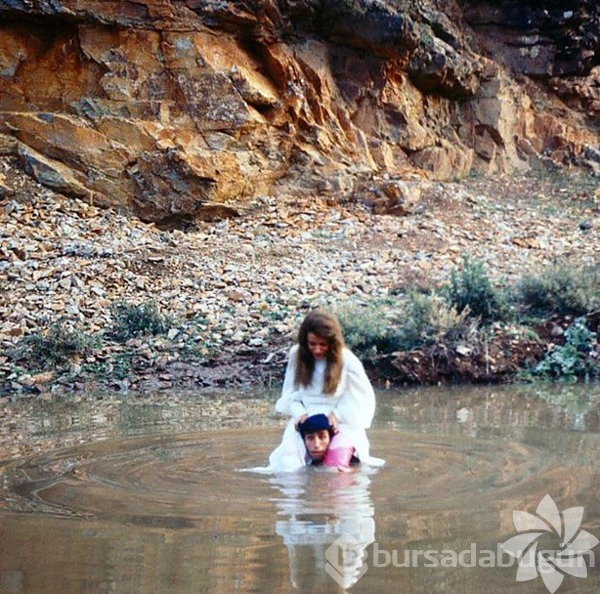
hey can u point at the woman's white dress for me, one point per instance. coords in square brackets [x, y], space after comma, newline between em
[353, 403]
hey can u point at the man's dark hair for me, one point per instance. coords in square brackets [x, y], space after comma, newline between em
[314, 424]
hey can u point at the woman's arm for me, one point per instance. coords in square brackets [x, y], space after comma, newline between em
[290, 402]
[356, 406]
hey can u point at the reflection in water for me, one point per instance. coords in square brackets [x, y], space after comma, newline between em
[30, 426]
[315, 508]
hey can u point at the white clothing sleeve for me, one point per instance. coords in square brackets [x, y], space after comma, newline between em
[356, 406]
[290, 402]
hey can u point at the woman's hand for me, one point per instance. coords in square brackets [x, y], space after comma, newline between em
[333, 422]
[299, 420]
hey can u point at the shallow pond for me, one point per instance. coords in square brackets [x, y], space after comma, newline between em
[147, 495]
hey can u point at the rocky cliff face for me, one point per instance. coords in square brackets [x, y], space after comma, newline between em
[174, 110]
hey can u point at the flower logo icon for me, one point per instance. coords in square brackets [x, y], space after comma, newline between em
[549, 525]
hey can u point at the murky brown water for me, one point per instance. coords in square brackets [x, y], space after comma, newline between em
[135, 495]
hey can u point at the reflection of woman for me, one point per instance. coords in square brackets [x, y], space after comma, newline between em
[314, 512]
[323, 376]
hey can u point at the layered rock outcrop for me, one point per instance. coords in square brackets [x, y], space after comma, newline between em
[175, 110]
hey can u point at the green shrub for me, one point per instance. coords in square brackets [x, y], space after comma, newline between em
[131, 320]
[418, 319]
[59, 344]
[427, 319]
[561, 288]
[366, 328]
[574, 359]
[471, 291]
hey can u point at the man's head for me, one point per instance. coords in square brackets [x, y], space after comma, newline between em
[316, 433]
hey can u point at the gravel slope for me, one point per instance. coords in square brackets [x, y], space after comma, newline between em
[239, 286]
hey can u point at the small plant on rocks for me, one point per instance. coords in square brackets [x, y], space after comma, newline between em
[367, 329]
[130, 321]
[562, 288]
[417, 320]
[470, 290]
[427, 319]
[58, 345]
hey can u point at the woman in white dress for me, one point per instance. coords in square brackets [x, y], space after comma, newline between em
[323, 377]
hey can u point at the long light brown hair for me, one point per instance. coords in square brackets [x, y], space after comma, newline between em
[325, 325]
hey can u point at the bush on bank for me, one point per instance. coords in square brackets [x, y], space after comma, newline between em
[561, 289]
[467, 317]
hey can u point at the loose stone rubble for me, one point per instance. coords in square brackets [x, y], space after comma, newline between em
[236, 288]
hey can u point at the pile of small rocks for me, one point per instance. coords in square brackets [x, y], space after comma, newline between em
[238, 287]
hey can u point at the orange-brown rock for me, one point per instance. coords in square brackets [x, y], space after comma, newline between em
[167, 109]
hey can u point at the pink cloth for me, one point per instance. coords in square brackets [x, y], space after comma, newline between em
[340, 451]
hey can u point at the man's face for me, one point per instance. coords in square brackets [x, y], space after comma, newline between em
[317, 444]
